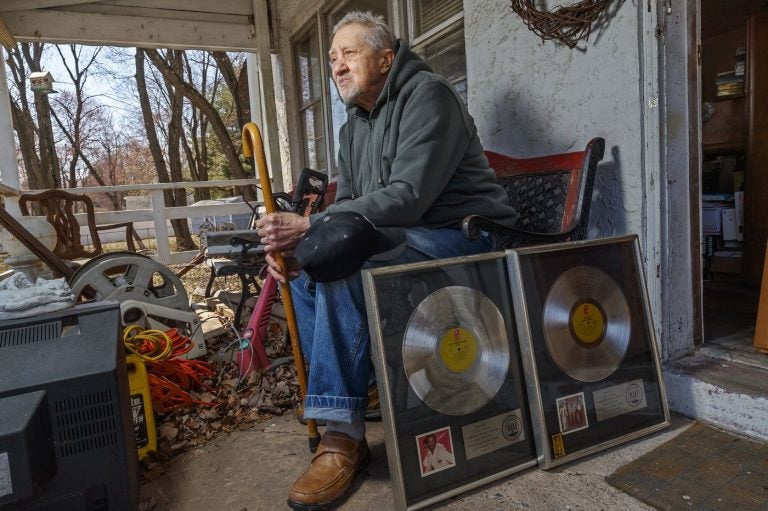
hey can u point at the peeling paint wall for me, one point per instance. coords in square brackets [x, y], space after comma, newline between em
[531, 98]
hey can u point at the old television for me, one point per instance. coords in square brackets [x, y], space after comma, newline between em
[66, 430]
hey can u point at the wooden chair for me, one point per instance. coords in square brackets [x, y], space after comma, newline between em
[552, 194]
[58, 206]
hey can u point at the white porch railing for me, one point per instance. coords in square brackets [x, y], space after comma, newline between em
[160, 214]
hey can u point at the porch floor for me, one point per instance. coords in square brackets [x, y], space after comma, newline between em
[251, 470]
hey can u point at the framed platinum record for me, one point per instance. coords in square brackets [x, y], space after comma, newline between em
[450, 378]
[588, 346]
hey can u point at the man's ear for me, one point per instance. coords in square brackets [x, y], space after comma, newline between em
[385, 62]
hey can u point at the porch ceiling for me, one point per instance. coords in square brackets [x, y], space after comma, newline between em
[217, 25]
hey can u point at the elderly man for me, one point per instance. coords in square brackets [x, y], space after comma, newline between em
[409, 157]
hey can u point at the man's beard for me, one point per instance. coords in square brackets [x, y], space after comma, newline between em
[351, 94]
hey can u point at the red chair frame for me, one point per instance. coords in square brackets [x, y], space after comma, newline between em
[552, 194]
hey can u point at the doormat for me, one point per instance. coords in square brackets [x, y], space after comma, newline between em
[702, 469]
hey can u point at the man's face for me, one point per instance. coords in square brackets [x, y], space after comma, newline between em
[431, 443]
[358, 71]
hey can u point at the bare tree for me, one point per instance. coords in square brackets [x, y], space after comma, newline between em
[33, 128]
[233, 81]
[223, 136]
[180, 227]
[195, 144]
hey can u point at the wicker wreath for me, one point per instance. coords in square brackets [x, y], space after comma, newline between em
[567, 24]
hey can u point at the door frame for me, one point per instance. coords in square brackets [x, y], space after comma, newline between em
[680, 86]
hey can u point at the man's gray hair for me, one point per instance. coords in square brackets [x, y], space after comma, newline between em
[378, 35]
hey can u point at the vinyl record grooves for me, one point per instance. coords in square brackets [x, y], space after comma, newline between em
[586, 323]
[455, 350]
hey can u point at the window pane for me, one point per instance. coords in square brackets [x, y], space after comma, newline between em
[447, 56]
[308, 64]
[308, 67]
[314, 136]
[427, 14]
[338, 109]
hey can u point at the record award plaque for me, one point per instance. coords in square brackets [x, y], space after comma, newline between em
[444, 343]
[588, 346]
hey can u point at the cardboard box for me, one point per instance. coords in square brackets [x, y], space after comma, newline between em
[726, 264]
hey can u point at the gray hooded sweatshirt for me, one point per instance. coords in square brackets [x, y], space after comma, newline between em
[416, 159]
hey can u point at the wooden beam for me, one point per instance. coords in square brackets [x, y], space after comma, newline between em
[239, 7]
[236, 7]
[28, 5]
[263, 40]
[146, 12]
[100, 29]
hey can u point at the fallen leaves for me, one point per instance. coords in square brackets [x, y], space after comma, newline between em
[241, 403]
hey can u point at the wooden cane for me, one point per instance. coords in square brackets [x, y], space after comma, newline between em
[254, 147]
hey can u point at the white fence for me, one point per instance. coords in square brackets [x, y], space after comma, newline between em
[155, 222]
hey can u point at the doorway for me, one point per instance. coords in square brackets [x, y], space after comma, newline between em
[734, 188]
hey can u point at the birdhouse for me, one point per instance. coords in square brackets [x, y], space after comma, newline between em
[41, 82]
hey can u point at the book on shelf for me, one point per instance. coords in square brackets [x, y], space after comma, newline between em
[717, 197]
[729, 84]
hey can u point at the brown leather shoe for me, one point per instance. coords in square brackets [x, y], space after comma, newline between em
[339, 458]
[373, 411]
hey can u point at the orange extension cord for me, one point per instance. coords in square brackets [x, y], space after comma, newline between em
[170, 378]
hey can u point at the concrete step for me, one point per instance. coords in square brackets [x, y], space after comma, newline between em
[718, 386]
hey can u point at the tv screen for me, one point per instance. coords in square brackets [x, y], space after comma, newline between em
[66, 431]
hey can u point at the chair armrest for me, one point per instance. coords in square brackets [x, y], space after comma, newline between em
[130, 234]
[506, 237]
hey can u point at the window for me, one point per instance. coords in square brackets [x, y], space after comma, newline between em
[308, 62]
[437, 35]
[428, 14]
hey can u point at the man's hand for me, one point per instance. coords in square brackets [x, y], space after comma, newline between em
[282, 232]
[274, 269]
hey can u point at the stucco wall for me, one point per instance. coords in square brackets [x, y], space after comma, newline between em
[530, 98]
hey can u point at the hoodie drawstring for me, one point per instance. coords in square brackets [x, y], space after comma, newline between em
[384, 133]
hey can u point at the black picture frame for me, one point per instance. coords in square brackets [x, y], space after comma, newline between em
[579, 403]
[487, 443]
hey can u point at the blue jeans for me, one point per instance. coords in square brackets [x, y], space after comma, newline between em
[333, 326]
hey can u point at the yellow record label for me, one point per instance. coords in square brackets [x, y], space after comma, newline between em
[458, 349]
[587, 322]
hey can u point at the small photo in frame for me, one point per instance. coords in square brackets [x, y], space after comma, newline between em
[572, 413]
[435, 451]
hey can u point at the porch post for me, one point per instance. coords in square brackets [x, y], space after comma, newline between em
[266, 92]
[652, 204]
[9, 172]
[681, 266]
